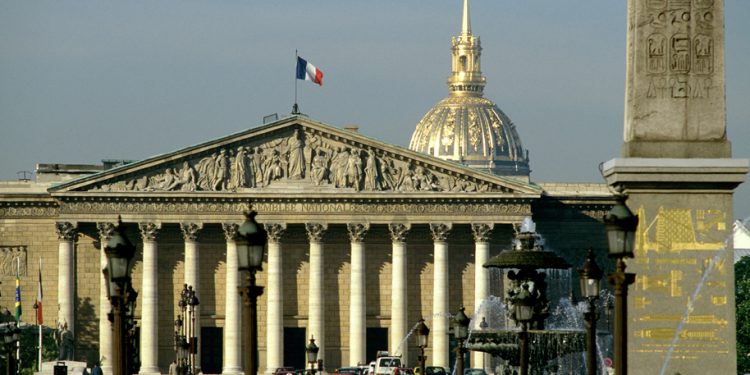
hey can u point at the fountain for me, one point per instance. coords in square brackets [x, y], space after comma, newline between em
[515, 329]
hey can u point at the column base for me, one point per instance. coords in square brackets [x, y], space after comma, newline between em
[232, 371]
[149, 371]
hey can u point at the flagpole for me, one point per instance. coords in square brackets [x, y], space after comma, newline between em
[295, 107]
[39, 360]
[18, 316]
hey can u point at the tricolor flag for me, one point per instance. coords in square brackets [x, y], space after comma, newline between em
[39, 296]
[308, 72]
[18, 290]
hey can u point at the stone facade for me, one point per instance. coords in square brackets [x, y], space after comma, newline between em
[568, 215]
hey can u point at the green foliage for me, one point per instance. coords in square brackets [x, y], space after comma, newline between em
[742, 295]
[29, 348]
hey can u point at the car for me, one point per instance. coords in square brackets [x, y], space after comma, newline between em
[474, 371]
[435, 370]
[285, 371]
[349, 370]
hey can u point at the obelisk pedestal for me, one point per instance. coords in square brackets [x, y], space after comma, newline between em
[679, 177]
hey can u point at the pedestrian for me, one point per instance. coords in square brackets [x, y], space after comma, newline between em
[173, 368]
[97, 370]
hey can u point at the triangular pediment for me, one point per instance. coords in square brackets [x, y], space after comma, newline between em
[295, 154]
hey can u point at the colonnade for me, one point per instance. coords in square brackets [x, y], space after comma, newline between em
[232, 360]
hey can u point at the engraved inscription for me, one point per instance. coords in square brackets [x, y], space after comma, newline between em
[703, 56]
[657, 53]
[679, 61]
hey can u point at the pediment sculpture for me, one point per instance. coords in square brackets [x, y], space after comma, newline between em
[304, 155]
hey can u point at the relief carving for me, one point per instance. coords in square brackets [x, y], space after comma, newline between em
[230, 231]
[448, 131]
[66, 231]
[12, 257]
[301, 156]
[357, 231]
[703, 57]
[149, 231]
[105, 230]
[440, 231]
[315, 231]
[482, 231]
[190, 230]
[274, 230]
[399, 231]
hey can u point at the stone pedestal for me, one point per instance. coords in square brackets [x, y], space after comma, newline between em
[681, 308]
[74, 367]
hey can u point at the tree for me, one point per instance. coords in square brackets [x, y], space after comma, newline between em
[742, 295]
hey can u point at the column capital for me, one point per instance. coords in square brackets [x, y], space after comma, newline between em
[315, 231]
[149, 230]
[190, 230]
[482, 231]
[66, 231]
[357, 231]
[440, 231]
[274, 230]
[230, 231]
[105, 230]
[399, 231]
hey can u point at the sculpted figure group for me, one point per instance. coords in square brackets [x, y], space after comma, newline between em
[297, 157]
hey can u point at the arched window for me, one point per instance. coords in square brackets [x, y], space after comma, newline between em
[462, 62]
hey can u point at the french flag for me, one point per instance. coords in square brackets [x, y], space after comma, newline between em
[308, 72]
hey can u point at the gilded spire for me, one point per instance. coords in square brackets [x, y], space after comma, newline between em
[466, 22]
[466, 78]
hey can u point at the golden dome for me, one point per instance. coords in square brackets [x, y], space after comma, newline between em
[465, 127]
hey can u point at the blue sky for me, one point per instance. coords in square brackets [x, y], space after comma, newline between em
[82, 81]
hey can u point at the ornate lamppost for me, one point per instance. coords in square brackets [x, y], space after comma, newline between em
[312, 355]
[523, 313]
[120, 252]
[620, 225]
[251, 244]
[590, 276]
[460, 332]
[483, 325]
[191, 301]
[423, 333]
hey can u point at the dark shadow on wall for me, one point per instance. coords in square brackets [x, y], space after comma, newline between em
[86, 331]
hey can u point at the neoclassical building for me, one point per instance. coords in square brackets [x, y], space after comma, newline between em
[365, 237]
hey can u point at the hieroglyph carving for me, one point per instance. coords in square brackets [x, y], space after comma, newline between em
[301, 156]
[357, 231]
[399, 231]
[680, 54]
[12, 257]
[66, 231]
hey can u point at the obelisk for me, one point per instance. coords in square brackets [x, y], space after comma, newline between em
[677, 171]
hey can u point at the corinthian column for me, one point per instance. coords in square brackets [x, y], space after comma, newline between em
[67, 234]
[481, 278]
[440, 295]
[357, 295]
[275, 298]
[192, 277]
[316, 305]
[232, 363]
[150, 300]
[399, 312]
[105, 326]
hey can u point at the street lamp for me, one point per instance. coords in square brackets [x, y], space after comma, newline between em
[11, 336]
[620, 225]
[423, 333]
[190, 302]
[120, 253]
[483, 325]
[312, 354]
[590, 276]
[460, 332]
[251, 244]
[523, 310]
